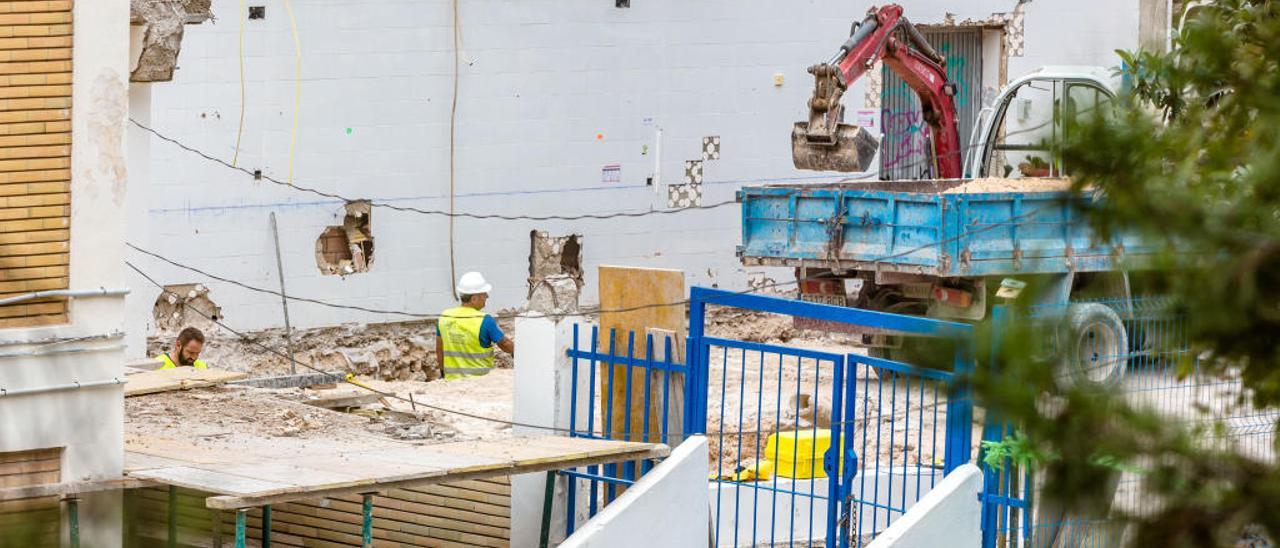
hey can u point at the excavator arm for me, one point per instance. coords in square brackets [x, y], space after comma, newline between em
[825, 143]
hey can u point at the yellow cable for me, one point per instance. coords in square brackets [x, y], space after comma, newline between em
[240, 130]
[297, 86]
[453, 125]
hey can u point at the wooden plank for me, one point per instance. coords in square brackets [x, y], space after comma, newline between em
[433, 456]
[633, 294]
[336, 399]
[182, 378]
[182, 452]
[29, 466]
[33, 478]
[33, 321]
[457, 461]
[49, 453]
[63, 489]
[300, 478]
[208, 480]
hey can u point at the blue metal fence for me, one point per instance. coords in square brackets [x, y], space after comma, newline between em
[893, 430]
[597, 412]
[1155, 351]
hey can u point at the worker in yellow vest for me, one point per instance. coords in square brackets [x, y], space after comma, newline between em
[186, 351]
[465, 336]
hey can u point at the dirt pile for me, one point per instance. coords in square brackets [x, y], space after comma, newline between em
[997, 184]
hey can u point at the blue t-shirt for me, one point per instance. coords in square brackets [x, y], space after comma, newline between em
[489, 331]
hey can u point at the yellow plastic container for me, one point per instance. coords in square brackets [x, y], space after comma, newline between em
[797, 454]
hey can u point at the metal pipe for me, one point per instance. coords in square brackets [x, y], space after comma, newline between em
[63, 339]
[241, 518]
[73, 521]
[73, 293]
[59, 387]
[366, 526]
[545, 532]
[266, 526]
[284, 301]
[173, 516]
[26, 353]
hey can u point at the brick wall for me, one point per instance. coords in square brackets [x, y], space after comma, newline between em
[458, 514]
[31, 521]
[35, 157]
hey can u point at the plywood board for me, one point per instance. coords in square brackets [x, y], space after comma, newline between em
[635, 301]
[335, 399]
[182, 378]
[250, 480]
[208, 480]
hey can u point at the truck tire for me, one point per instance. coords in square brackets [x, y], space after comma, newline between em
[1096, 346]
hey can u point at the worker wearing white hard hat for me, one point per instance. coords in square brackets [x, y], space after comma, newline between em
[465, 336]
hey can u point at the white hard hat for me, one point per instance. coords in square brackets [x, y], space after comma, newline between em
[472, 283]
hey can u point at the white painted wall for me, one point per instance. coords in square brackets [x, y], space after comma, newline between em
[661, 509]
[950, 515]
[89, 422]
[539, 82]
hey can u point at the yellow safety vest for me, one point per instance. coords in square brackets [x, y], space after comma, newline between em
[460, 334]
[168, 363]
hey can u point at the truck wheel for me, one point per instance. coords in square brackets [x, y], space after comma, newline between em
[1096, 346]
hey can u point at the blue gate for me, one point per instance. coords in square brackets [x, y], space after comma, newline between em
[883, 420]
[891, 430]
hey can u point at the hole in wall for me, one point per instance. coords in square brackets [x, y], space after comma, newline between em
[257, 12]
[555, 272]
[348, 248]
[185, 305]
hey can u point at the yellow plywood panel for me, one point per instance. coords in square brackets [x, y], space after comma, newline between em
[638, 301]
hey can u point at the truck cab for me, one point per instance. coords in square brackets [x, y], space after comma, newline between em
[1019, 134]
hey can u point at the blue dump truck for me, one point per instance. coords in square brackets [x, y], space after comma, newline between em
[946, 248]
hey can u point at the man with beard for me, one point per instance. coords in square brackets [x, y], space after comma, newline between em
[186, 351]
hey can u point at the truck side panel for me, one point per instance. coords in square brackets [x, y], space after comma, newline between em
[974, 234]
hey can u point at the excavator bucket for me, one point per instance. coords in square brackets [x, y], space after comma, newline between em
[852, 148]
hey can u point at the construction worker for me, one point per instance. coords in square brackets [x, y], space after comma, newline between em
[465, 336]
[186, 351]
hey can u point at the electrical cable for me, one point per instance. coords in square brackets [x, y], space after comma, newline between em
[453, 134]
[374, 203]
[297, 86]
[493, 216]
[965, 234]
[235, 157]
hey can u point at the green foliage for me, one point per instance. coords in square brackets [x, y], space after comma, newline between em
[1202, 178]
[1190, 159]
[1015, 448]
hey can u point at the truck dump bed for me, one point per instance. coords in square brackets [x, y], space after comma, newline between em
[948, 228]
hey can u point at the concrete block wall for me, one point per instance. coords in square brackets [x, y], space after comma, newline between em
[549, 92]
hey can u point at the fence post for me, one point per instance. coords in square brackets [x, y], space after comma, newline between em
[960, 408]
[544, 373]
[695, 417]
[992, 430]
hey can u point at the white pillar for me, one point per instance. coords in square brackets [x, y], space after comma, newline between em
[543, 386]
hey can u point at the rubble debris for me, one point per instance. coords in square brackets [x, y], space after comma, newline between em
[163, 22]
[388, 351]
[184, 305]
[555, 272]
[347, 249]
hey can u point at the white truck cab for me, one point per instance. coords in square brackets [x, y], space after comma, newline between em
[1018, 136]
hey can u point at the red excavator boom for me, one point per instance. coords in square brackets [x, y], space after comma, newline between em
[825, 143]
